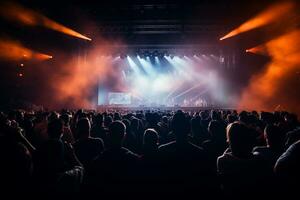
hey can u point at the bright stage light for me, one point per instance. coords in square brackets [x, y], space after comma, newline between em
[133, 66]
[269, 15]
[13, 50]
[26, 16]
[147, 66]
[150, 83]
[157, 60]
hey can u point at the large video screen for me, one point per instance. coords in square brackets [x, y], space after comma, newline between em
[119, 98]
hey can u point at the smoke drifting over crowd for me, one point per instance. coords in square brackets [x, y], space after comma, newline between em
[275, 87]
[78, 76]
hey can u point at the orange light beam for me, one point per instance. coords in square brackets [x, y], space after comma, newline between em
[271, 14]
[270, 87]
[12, 50]
[16, 12]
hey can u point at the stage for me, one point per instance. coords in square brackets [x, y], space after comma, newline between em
[160, 108]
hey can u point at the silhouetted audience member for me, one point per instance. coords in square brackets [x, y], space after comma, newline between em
[98, 129]
[217, 144]
[107, 120]
[137, 130]
[86, 147]
[198, 133]
[184, 163]
[185, 168]
[40, 129]
[164, 129]
[16, 164]
[130, 140]
[292, 137]
[287, 170]
[58, 172]
[67, 133]
[149, 166]
[113, 172]
[240, 171]
[275, 145]
[150, 144]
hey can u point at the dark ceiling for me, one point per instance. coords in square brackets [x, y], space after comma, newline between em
[137, 22]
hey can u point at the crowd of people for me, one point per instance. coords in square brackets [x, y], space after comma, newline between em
[149, 154]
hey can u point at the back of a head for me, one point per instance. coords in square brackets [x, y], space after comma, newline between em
[240, 139]
[180, 125]
[99, 119]
[273, 135]
[108, 120]
[127, 125]
[55, 129]
[165, 119]
[243, 117]
[196, 126]
[231, 118]
[83, 127]
[216, 129]
[116, 133]
[117, 116]
[215, 115]
[66, 118]
[150, 139]
[134, 125]
[53, 116]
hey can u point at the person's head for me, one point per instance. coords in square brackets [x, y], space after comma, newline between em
[243, 116]
[165, 119]
[135, 123]
[53, 116]
[127, 125]
[116, 133]
[65, 118]
[240, 139]
[267, 117]
[231, 118]
[83, 128]
[217, 130]
[117, 116]
[196, 127]
[180, 126]
[150, 140]
[108, 120]
[55, 129]
[99, 119]
[291, 118]
[274, 136]
[215, 115]
[203, 115]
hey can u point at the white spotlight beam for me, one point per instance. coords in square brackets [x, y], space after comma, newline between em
[172, 92]
[188, 90]
[133, 65]
[190, 68]
[178, 68]
[157, 60]
[147, 66]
